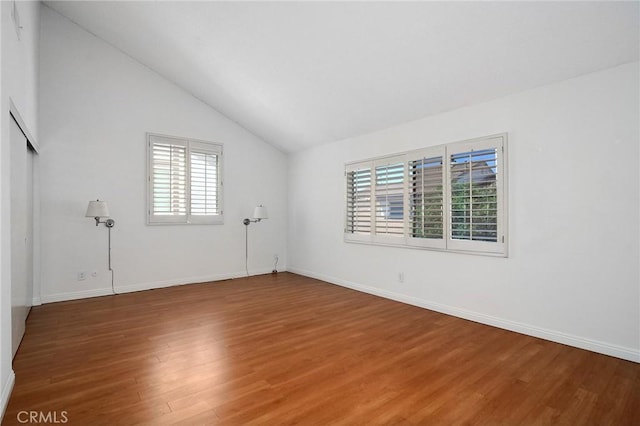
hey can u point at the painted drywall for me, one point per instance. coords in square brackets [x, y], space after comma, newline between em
[572, 273]
[96, 106]
[18, 92]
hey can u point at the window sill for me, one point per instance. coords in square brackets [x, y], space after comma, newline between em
[403, 244]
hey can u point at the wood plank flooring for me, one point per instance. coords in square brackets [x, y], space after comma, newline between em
[285, 349]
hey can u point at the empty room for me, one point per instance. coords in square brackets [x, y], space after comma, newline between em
[320, 213]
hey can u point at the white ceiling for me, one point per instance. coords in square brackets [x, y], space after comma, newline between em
[299, 74]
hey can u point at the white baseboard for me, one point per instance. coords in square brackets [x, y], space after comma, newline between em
[75, 295]
[6, 392]
[185, 281]
[629, 354]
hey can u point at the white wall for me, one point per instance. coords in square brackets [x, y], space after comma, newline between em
[18, 82]
[572, 273]
[96, 106]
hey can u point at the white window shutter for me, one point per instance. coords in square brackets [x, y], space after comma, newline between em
[185, 181]
[389, 197]
[168, 179]
[358, 220]
[205, 181]
[448, 197]
[426, 186]
[476, 196]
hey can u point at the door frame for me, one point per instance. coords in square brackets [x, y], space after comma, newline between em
[35, 146]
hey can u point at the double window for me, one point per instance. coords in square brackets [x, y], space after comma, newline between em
[184, 181]
[447, 197]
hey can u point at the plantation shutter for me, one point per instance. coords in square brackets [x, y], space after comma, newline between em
[476, 195]
[426, 198]
[168, 176]
[204, 179]
[358, 220]
[185, 181]
[447, 197]
[389, 197]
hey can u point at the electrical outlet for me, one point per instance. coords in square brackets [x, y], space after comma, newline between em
[82, 276]
[401, 277]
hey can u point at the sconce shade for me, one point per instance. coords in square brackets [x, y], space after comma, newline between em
[97, 209]
[260, 212]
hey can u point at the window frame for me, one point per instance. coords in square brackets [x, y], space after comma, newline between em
[191, 145]
[447, 242]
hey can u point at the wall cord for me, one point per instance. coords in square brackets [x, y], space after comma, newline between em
[113, 290]
[246, 249]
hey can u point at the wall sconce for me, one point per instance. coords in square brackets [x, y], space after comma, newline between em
[259, 213]
[99, 210]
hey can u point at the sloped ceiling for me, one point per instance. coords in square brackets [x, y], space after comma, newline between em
[299, 74]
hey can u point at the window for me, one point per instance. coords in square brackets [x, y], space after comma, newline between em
[358, 201]
[389, 205]
[425, 193]
[184, 182]
[448, 197]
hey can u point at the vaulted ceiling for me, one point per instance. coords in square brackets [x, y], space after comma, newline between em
[299, 74]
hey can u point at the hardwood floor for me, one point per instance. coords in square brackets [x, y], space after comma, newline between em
[286, 349]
